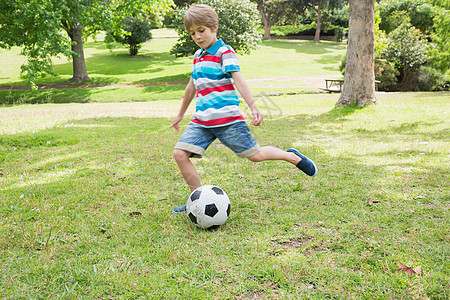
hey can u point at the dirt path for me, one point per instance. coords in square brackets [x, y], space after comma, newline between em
[304, 81]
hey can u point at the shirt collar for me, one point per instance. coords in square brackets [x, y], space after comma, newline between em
[214, 48]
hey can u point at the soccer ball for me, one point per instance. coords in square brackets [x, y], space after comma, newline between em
[208, 207]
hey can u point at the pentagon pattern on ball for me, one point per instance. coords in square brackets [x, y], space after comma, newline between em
[193, 218]
[217, 190]
[211, 210]
[195, 195]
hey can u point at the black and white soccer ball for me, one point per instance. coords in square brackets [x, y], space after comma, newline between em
[208, 207]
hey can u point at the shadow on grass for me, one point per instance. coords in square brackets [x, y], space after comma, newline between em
[123, 64]
[94, 94]
[336, 115]
[410, 129]
[178, 78]
[308, 47]
[162, 89]
[17, 97]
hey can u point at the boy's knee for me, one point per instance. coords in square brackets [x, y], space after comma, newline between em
[180, 155]
[256, 158]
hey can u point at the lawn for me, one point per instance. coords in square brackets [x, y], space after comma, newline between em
[86, 202]
[87, 191]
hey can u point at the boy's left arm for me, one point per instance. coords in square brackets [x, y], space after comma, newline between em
[244, 90]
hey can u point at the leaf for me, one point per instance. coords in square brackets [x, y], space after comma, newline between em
[408, 270]
[418, 270]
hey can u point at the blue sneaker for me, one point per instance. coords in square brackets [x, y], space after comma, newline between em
[180, 209]
[306, 165]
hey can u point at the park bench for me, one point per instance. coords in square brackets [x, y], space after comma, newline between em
[335, 85]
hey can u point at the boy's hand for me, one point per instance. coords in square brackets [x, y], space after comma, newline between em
[257, 117]
[175, 123]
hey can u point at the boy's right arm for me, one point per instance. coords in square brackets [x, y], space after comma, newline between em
[189, 94]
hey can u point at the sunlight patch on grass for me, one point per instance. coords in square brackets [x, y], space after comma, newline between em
[26, 180]
[88, 125]
[55, 159]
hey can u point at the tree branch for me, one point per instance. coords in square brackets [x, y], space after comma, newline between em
[89, 34]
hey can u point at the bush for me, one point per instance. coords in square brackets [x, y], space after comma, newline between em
[386, 74]
[290, 30]
[135, 32]
[238, 27]
[339, 33]
[343, 64]
[407, 50]
[429, 79]
[303, 29]
[440, 55]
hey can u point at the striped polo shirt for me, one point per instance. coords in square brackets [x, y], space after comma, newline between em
[217, 102]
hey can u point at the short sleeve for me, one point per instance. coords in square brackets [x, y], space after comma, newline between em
[230, 62]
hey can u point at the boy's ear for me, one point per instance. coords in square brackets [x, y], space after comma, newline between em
[216, 27]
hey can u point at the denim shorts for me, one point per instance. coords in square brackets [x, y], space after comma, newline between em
[237, 136]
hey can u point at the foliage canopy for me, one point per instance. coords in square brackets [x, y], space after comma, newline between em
[134, 33]
[238, 26]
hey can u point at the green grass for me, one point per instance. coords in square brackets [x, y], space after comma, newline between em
[154, 64]
[87, 189]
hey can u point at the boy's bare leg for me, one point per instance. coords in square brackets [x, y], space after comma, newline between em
[291, 155]
[272, 153]
[187, 168]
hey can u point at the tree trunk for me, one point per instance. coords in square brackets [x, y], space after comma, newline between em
[359, 81]
[79, 64]
[267, 35]
[408, 81]
[319, 22]
[266, 23]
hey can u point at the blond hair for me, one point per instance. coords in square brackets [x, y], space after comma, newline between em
[200, 15]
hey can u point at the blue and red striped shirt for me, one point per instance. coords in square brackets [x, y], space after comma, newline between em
[217, 102]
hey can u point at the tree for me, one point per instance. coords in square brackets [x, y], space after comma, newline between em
[238, 26]
[47, 28]
[442, 3]
[359, 81]
[440, 55]
[135, 33]
[288, 11]
[273, 11]
[419, 12]
[319, 21]
[321, 7]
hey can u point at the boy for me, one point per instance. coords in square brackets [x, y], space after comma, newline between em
[215, 74]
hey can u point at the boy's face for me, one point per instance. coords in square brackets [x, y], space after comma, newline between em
[203, 36]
